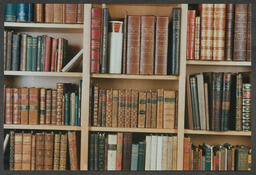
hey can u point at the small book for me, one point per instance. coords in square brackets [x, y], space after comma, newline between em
[74, 61]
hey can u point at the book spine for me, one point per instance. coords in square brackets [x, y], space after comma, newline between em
[30, 12]
[23, 52]
[80, 14]
[239, 94]
[134, 108]
[169, 109]
[109, 101]
[218, 100]
[191, 35]
[70, 13]
[39, 10]
[40, 151]
[5, 48]
[42, 53]
[56, 156]
[12, 149]
[230, 9]
[115, 108]
[160, 107]
[10, 12]
[127, 108]
[194, 98]
[42, 105]
[54, 107]
[58, 13]
[95, 105]
[22, 12]
[15, 52]
[79, 101]
[249, 31]
[197, 37]
[72, 109]
[67, 108]
[141, 156]
[24, 105]
[154, 110]
[72, 144]
[99, 119]
[103, 108]
[63, 152]
[48, 107]
[9, 50]
[16, 106]
[34, 54]
[134, 157]
[54, 54]
[142, 109]
[124, 50]
[126, 162]
[76, 110]
[28, 63]
[112, 152]
[246, 107]
[148, 152]
[49, 13]
[187, 147]
[104, 43]
[148, 109]
[47, 54]
[59, 96]
[33, 152]
[48, 151]
[18, 151]
[121, 109]
[101, 148]
[119, 151]
[226, 101]
[91, 151]
[33, 106]
[96, 150]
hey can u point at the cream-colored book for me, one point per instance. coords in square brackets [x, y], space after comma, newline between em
[153, 152]
[112, 144]
[174, 153]
[159, 153]
[148, 152]
[169, 153]
[164, 152]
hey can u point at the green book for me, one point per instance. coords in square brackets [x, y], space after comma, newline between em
[91, 151]
[42, 53]
[101, 152]
[141, 156]
[207, 152]
[134, 158]
[39, 47]
[34, 53]
[241, 158]
[67, 106]
[29, 54]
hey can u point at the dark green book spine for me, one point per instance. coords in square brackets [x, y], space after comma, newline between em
[91, 151]
[101, 149]
[30, 12]
[34, 53]
[39, 42]
[104, 44]
[10, 12]
[29, 54]
[15, 51]
[76, 110]
[42, 53]
[218, 100]
[207, 159]
[9, 50]
[141, 156]
[103, 107]
[79, 102]
[67, 107]
[96, 140]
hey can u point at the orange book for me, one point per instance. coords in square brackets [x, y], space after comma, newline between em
[33, 106]
[26, 151]
[72, 145]
[119, 151]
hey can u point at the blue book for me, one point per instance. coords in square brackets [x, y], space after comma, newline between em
[29, 54]
[134, 157]
[30, 12]
[22, 12]
[79, 101]
[67, 106]
[76, 110]
[10, 11]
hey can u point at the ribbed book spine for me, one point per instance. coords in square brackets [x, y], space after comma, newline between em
[246, 107]
[103, 108]
[80, 14]
[70, 13]
[127, 108]
[24, 105]
[48, 107]
[39, 151]
[229, 33]
[134, 108]
[34, 53]
[58, 13]
[197, 37]
[154, 110]
[160, 107]
[59, 96]
[72, 144]
[109, 108]
[63, 152]
[48, 151]
[12, 148]
[33, 152]
[16, 106]
[119, 151]
[239, 86]
[15, 51]
[56, 156]
[33, 106]
[18, 151]
[95, 105]
[191, 35]
[148, 109]
[49, 13]
[26, 151]
[169, 109]
[142, 109]
[99, 121]
[121, 109]
[29, 54]
[42, 105]
[54, 107]
[115, 108]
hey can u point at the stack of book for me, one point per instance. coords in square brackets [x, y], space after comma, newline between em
[224, 157]
[61, 106]
[148, 45]
[120, 152]
[132, 108]
[43, 151]
[48, 13]
[222, 32]
[219, 101]
[23, 52]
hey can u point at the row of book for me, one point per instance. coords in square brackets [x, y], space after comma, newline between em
[45, 13]
[224, 157]
[61, 106]
[219, 32]
[132, 108]
[219, 101]
[138, 45]
[121, 152]
[23, 52]
[43, 151]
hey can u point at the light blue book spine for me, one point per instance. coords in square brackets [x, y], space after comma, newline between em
[134, 158]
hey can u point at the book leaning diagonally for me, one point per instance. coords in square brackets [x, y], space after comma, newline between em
[6, 141]
[72, 62]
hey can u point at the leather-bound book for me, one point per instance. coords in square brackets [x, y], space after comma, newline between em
[29, 54]
[15, 52]
[194, 100]
[115, 108]
[169, 109]
[58, 13]
[56, 155]
[99, 119]
[225, 102]
[24, 105]
[23, 51]
[63, 152]
[206, 47]
[104, 43]
[33, 152]
[134, 108]
[197, 37]
[241, 155]
[127, 108]
[33, 106]
[218, 89]
[246, 107]
[126, 162]
[239, 87]
[42, 53]
[72, 145]
[39, 49]
[49, 13]
[39, 151]
[219, 32]
[16, 106]
[160, 107]
[229, 33]
[121, 109]
[34, 53]
[141, 155]
[60, 89]
[42, 105]
[53, 108]
[189, 106]
[91, 151]
[119, 152]
[9, 50]
[112, 151]
[12, 144]
[54, 54]
[10, 12]
[109, 101]
[124, 50]
[147, 43]
[148, 109]
[61, 52]
[8, 105]
[47, 55]
[161, 45]
[48, 106]
[187, 148]
[70, 13]
[191, 35]
[80, 14]
[63, 111]
[101, 152]
[154, 110]
[95, 105]
[142, 109]
[18, 151]
[133, 45]
[26, 151]
[96, 151]
[176, 109]
[39, 13]
[249, 30]
[96, 32]
[103, 108]
[240, 32]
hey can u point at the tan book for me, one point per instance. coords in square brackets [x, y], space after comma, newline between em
[121, 109]
[148, 109]
[49, 13]
[33, 152]
[142, 109]
[164, 152]
[169, 153]
[39, 151]
[169, 109]
[48, 151]
[197, 38]
[33, 106]
[48, 106]
[160, 107]
[174, 153]
[148, 152]
[26, 151]
[24, 106]
[109, 101]
[63, 152]
[42, 105]
[59, 102]
[115, 108]
[56, 158]
[134, 108]
[58, 13]
[18, 151]
[127, 108]
[154, 109]
[72, 145]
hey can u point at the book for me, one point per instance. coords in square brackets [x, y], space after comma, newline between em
[10, 11]
[63, 152]
[9, 50]
[74, 61]
[49, 13]
[70, 13]
[16, 106]
[169, 109]
[112, 151]
[134, 157]
[134, 108]
[148, 109]
[56, 156]
[15, 52]
[18, 140]
[109, 101]
[246, 107]
[127, 144]
[47, 54]
[142, 110]
[39, 151]
[148, 153]
[39, 13]
[22, 12]
[249, 31]
[48, 151]
[121, 108]
[72, 141]
[29, 54]
[229, 32]
[197, 37]
[42, 105]
[119, 151]
[115, 108]
[33, 106]
[191, 34]
[48, 106]
[80, 14]
[58, 14]
[127, 108]
[34, 53]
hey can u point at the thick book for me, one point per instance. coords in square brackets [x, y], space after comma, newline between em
[73, 155]
[40, 151]
[169, 109]
[121, 109]
[80, 14]
[142, 109]
[127, 144]
[24, 105]
[15, 52]
[191, 35]
[39, 13]
[58, 13]
[16, 106]
[70, 13]
[63, 152]
[49, 13]
[53, 54]
[34, 54]
[10, 11]
[22, 12]
[187, 148]
[33, 106]
[119, 151]
[42, 105]
[9, 50]
[104, 43]
[48, 151]
[56, 155]
[18, 139]
[26, 151]
[229, 32]
[115, 108]
[47, 53]
[28, 63]
[112, 151]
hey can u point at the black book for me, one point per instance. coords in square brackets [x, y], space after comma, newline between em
[104, 44]
[194, 100]
[15, 51]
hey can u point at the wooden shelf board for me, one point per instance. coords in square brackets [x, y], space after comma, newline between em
[218, 63]
[224, 133]
[42, 127]
[135, 130]
[139, 77]
[42, 25]
[42, 74]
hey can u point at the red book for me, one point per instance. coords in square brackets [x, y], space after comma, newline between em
[47, 53]
[96, 32]
[54, 54]
[16, 106]
[187, 148]
[119, 151]
[8, 105]
[191, 34]
[24, 106]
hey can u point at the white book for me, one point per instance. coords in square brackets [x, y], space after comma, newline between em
[112, 144]
[73, 61]
[159, 152]
[201, 100]
[164, 152]
[72, 108]
[153, 152]
[174, 153]
[169, 153]
[148, 152]
[6, 140]
[115, 52]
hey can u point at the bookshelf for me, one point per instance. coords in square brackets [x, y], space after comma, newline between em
[78, 36]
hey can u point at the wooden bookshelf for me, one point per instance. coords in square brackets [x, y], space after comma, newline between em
[43, 127]
[221, 133]
[42, 25]
[43, 74]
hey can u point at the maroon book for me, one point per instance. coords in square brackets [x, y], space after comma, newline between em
[191, 35]
[47, 53]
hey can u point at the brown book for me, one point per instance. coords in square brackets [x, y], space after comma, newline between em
[191, 35]
[48, 106]
[63, 152]
[99, 119]
[187, 148]
[119, 151]
[33, 152]
[134, 108]
[121, 109]
[154, 110]
[24, 107]
[229, 34]
[127, 149]
[239, 86]
[56, 155]
[197, 37]
[206, 46]
[240, 32]
[53, 111]
[39, 151]
[109, 108]
[18, 151]
[95, 105]
[49, 13]
[48, 151]
[26, 151]
[189, 106]
[72, 145]
[47, 54]
[58, 13]
[80, 14]
[147, 43]
[142, 109]
[63, 111]
[249, 30]
[124, 50]
[206, 106]
[70, 12]
[133, 45]
[8, 105]
[39, 10]
[161, 45]
[148, 109]
[33, 106]
[127, 108]
[42, 105]
[16, 106]
[160, 107]
[176, 109]
[219, 32]
[115, 108]
[54, 54]
[169, 109]
[60, 88]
